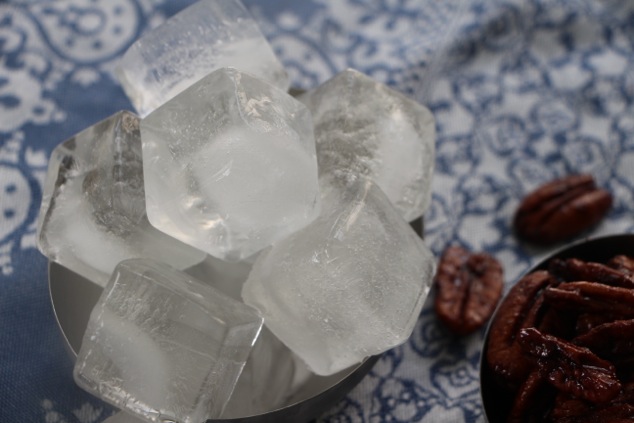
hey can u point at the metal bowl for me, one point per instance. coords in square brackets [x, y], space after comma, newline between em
[74, 297]
[496, 400]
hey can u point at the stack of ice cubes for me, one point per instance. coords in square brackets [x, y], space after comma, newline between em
[229, 205]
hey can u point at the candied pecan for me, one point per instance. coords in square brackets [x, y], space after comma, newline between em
[554, 322]
[617, 413]
[469, 287]
[531, 401]
[592, 297]
[588, 321]
[568, 409]
[622, 263]
[570, 368]
[520, 309]
[610, 340]
[561, 209]
[573, 269]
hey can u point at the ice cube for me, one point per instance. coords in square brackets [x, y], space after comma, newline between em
[93, 207]
[206, 36]
[230, 165]
[268, 375]
[226, 276]
[363, 126]
[348, 286]
[163, 345]
[265, 382]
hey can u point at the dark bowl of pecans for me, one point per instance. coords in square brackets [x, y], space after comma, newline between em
[560, 346]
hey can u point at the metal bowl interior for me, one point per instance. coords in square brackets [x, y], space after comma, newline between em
[74, 297]
[497, 400]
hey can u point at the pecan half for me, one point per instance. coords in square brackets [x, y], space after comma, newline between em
[592, 297]
[554, 322]
[521, 309]
[573, 269]
[561, 209]
[532, 399]
[623, 264]
[612, 341]
[588, 321]
[572, 369]
[568, 409]
[469, 287]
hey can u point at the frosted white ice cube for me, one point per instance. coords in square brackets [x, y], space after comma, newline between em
[366, 127]
[163, 345]
[230, 165]
[205, 36]
[349, 285]
[93, 207]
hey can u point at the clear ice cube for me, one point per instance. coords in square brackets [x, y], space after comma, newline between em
[265, 382]
[349, 285]
[269, 373]
[226, 276]
[205, 36]
[230, 165]
[365, 127]
[163, 345]
[93, 205]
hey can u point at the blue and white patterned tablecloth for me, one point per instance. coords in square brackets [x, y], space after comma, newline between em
[523, 91]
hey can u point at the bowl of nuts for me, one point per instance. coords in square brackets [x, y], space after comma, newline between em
[560, 346]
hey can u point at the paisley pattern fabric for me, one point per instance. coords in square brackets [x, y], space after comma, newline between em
[522, 90]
